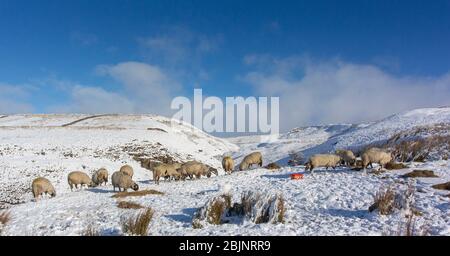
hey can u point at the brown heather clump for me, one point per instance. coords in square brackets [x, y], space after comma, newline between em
[5, 217]
[90, 230]
[129, 205]
[443, 186]
[137, 193]
[384, 201]
[139, 224]
[420, 174]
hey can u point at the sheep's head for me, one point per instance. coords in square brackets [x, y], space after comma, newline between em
[183, 173]
[53, 193]
[307, 166]
[213, 170]
[242, 166]
[135, 187]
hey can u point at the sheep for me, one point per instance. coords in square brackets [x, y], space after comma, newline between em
[100, 176]
[347, 156]
[228, 164]
[166, 170]
[249, 160]
[171, 171]
[42, 185]
[320, 160]
[128, 170]
[79, 178]
[197, 169]
[123, 181]
[375, 155]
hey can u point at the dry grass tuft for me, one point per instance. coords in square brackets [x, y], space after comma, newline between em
[420, 173]
[395, 166]
[409, 228]
[129, 205]
[281, 209]
[384, 201]
[216, 212]
[272, 166]
[5, 217]
[139, 224]
[90, 230]
[138, 193]
[443, 186]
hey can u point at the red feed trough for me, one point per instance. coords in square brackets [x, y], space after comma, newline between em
[296, 176]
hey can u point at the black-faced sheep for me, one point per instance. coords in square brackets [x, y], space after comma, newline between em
[375, 155]
[79, 178]
[123, 181]
[249, 160]
[323, 160]
[347, 156]
[165, 170]
[197, 169]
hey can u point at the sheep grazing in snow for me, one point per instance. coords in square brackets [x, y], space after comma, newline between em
[128, 170]
[165, 170]
[79, 178]
[123, 181]
[40, 186]
[100, 177]
[347, 156]
[323, 160]
[197, 169]
[228, 164]
[172, 173]
[375, 155]
[249, 160]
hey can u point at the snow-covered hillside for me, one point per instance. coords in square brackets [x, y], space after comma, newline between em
[54, 145]
[323, 139]
[333, 202]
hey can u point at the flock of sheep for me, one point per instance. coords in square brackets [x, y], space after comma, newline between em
[368, 157]
[122, 179]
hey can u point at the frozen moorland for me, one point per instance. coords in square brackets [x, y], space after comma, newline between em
[328, 202]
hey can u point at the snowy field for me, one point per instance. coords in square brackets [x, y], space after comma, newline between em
[328, 202]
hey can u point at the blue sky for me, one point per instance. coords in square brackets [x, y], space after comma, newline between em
[328, 61]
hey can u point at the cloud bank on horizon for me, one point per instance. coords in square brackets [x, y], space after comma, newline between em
[321, 75]
[323, 92]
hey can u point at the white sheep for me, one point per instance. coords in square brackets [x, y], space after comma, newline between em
[165, 170]
[323, 160]
[123, 181]
[375, 155]
[42, 185]
[197, 169]
[100, 176]
[128, 170]
[228, 164]
[79, 178]
[347, 156]
[249, 160]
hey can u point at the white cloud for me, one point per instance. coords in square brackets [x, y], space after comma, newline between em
[95, 100]
[335, 91]
[147, 86]
[14, 99]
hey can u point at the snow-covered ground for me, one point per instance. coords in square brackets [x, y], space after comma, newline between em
[333, 202]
